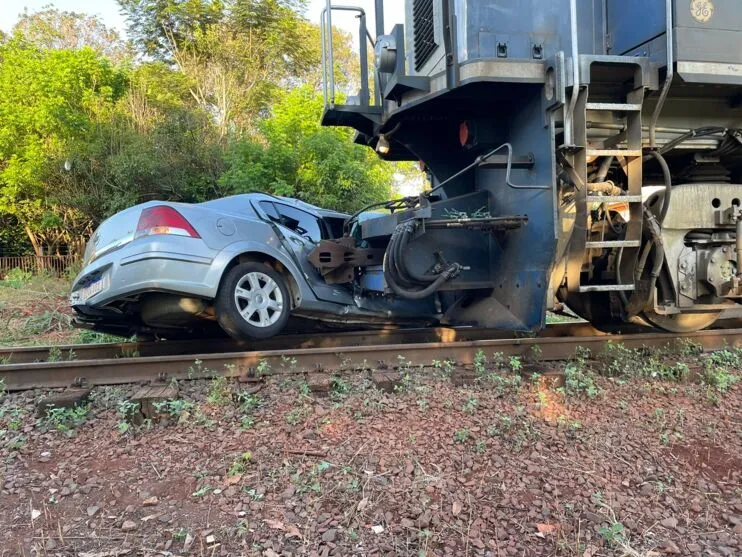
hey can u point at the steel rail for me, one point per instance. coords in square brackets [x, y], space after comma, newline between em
[351, 358]
[31, 354]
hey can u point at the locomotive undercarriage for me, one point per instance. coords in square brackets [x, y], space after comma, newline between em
[687, 274]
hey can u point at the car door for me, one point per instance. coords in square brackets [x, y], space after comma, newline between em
[303, 231]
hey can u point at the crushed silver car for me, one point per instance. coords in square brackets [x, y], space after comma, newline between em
[254, 264]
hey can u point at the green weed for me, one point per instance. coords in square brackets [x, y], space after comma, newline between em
[17, 278]
[220, 391]
[239, 466]
[470, 406]
[66, 419]
[174, 408]
[297, 415]
[578, 377]
[614, 535]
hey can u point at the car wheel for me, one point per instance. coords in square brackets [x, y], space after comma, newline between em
[253, 302]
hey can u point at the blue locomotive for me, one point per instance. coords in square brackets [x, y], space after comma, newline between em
[584, 153]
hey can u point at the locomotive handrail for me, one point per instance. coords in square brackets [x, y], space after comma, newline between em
[328, 57]
[482, 159]
[668, 79]
[568, 127]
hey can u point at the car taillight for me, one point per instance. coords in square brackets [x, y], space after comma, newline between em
[164, 220]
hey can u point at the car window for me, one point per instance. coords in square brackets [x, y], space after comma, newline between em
[270, 210]
[300, 222]
[336, 226]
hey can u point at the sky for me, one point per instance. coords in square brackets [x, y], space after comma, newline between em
[109, 12]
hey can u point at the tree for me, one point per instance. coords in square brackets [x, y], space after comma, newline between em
[235, 53]
[155, 145]
[58, 30]
[48, 100]
[299, 158]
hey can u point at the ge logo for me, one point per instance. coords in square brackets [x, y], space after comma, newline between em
[702, 10]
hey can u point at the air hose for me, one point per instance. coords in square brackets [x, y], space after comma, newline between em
[667, 176]
[405, 282]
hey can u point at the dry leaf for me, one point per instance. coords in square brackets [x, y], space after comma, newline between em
[547, 528]
[591, 551]
[292, 531]
[457, 507]
[275, 524]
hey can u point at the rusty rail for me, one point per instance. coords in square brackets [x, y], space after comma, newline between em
[32, 354]
[344, 358]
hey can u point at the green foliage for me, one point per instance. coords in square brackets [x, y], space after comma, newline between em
[340, 388]
[301, 159]
[239, 465]
[85, 336]
[236, 54]
[221, 100]
[719, 369]
[49, 100]
[248, 403]
[220, 391]
[480, 364]
[470, 406]
[174, 408]
[51, 29]
[66, 419]
[17, 278]
[614, 534]
[297, 415]
[202, 491]
[462, 435]
[516, 365]
[619, 361]
[578, 377]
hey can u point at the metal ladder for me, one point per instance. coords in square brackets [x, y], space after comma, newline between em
[626, 146]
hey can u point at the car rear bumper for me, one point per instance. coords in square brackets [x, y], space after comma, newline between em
[176, 265]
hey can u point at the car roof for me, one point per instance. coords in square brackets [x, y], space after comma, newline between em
[318, 211]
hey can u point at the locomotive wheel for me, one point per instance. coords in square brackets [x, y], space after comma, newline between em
[683, 322]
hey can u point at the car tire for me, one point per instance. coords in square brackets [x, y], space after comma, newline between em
[253, 302]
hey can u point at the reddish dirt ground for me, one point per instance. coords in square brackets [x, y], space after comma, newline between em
[646, 468]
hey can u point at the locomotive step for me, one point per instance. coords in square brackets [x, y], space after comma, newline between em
[614, 244]
[614, 152]
[614, 198]
[607, 288]
[614, 107]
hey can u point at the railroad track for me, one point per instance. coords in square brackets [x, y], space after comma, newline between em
[35, 354]
[341, 352]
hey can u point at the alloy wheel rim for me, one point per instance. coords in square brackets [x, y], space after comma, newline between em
[259, 299]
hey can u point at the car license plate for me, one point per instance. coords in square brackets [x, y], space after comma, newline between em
[83, 294]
